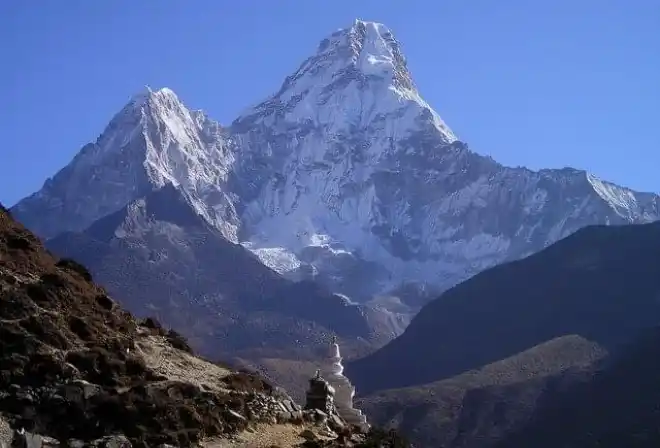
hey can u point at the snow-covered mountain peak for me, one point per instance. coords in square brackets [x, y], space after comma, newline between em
[323, 161]
[154, 140]
[163, 98]
[185, 148]
[145, 108]
[357, 78]
[148, 93]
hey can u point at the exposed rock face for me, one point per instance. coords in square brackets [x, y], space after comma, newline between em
[345, 175]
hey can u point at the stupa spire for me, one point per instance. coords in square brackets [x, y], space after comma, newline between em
[344, 390]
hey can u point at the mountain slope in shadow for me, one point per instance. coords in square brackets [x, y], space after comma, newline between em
[618, 406]
[158, 257]
[477, 408]
[601, 283]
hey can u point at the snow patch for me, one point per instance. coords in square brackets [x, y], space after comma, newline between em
[277, 258]
[621, 199]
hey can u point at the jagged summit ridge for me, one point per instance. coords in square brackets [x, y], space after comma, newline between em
[372, 49]
[159, 122]
[147, 93]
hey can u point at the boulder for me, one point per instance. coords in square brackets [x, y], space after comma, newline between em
[309, 435]
[79, 390]
[115, 441]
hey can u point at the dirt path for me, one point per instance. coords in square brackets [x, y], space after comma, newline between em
[178, 365]
[262, 436]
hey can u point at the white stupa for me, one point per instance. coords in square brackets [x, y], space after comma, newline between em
[344, 390]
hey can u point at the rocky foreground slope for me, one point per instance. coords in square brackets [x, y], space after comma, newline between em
[76, 369]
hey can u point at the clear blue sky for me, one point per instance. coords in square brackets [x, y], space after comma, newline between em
[535, 83]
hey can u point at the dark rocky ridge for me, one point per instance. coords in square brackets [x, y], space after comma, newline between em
[618, 406]
[480, 407]
[529, 339]
[601, 283]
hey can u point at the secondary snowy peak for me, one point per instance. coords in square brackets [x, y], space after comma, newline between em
[182, 147]
[154, 140]
[145, 115]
